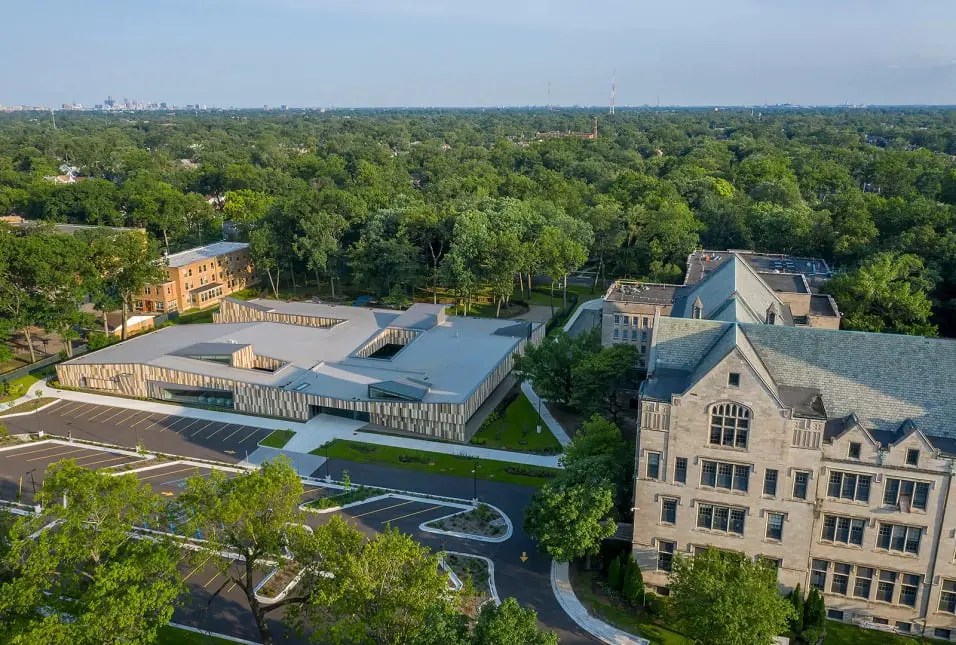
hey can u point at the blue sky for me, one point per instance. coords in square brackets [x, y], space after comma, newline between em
[478, 52]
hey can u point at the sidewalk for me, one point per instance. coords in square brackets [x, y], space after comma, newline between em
[561, 585]
[546, 415]
[314, 433]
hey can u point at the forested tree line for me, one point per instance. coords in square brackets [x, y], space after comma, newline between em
[395, 203]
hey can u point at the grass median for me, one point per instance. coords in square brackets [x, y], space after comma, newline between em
[278, 439]
[437, 463]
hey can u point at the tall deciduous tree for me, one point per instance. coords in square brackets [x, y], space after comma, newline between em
[598, 379]
[549, 366]
[253, 521]
[74, 574]
[510, 624]
[886, 294]
[569, 517]
[723, 598]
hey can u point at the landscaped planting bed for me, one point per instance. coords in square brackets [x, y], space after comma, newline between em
[481, 520]
[345, 497]
[278, 581]
[476, 578]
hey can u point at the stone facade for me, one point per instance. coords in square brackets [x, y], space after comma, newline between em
[730, 462]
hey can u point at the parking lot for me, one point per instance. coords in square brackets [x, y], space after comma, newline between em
[376, 516]
[172, 434]
[23, 468]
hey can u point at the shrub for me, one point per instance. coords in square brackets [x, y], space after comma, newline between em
[614, 574]
[655, 605]
[97, 340]
[413, 459]
[633, 585]
[484, 513]
[363, 447]
[525, 471]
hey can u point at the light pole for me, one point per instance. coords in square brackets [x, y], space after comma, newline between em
[539, 413]
[475, 472]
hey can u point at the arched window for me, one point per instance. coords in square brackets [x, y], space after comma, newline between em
[729, 425]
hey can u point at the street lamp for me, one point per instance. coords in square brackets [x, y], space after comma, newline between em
[539, 414]
[475, 472]
[328, 475]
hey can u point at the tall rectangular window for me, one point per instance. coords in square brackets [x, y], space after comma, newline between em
[770, 482]
[680, 470]
[800, 481]
[653, 465]
[912, 457]
[775, 526]
[668, 510]
[947, 597]
[886, 588]
[818, 575]
[854, 450]
[665, 555]
[909, 589]
[863, 582]
[729, 425]
[840, 582]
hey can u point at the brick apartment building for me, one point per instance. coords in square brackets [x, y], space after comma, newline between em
[199, 278]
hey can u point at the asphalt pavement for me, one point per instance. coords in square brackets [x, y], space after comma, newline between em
[520, 571]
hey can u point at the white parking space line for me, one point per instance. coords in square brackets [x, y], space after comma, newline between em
[188, 426]
[148, 417]
[100, 460]
[256, 431]
[126, 419]
[85, 408]
[69, 407]
[229, 436]
[100, 413]
[115, 414]
[201, 429]
[218, 430]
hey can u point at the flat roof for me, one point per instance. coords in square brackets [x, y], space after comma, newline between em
[641, 292]
[453, 357]
[823, 305]
[786, 282]
[702, 262]
[203, 253]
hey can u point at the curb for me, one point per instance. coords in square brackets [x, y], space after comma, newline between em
[23, 414]
[509, 528]
[491, 572]
[579, 614]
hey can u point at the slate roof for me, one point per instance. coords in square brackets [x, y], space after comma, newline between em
[883, 378]
[733, 278]
[207, 252]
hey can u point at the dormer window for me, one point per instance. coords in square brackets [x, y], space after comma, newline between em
[912, 457]
[854, 451]
[771, 317]
[698, 311]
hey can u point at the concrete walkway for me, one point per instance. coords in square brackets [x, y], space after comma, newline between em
[546, 415]
[315, 432]
[561, 585]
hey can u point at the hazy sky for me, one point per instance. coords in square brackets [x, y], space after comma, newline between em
[478, 52]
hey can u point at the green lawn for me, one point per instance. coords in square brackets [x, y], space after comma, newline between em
[541, 294]
[623, 618]
[434, 462]
[195, 317]
[29, 406]
[844, 634]
[19, 386]
[170, 635]
[278, 439]
[518, 425]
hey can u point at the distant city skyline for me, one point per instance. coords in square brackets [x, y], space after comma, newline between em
[445, 53]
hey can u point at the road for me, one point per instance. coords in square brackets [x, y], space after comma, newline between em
[529, 581]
